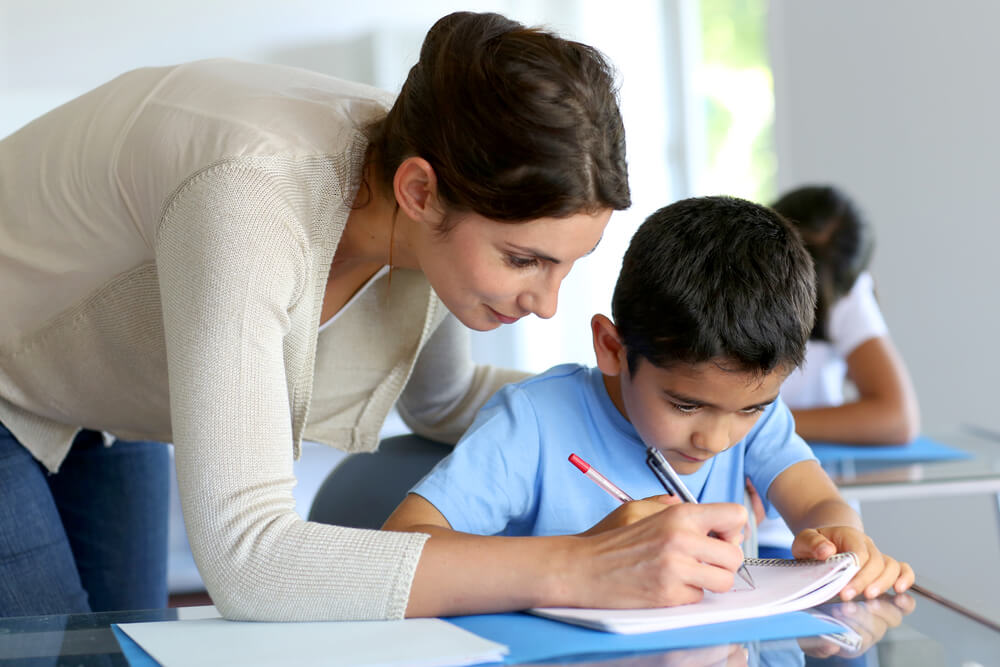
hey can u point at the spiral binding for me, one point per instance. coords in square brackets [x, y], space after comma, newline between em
[784, 562]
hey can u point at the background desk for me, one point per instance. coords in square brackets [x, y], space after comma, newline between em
[931, 636]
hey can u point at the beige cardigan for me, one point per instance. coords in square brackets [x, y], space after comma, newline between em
[180, 223]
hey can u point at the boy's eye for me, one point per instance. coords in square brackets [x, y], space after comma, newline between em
[519, 262]
[685, 408]
[755, 410]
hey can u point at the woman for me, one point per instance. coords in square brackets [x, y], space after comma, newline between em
[173, 241]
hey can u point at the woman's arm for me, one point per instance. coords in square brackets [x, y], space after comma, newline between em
[446, 389]
[233, 265]
[886, 411]
[667, 558]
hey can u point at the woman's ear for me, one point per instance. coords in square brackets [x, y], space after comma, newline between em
[415, 187]
[608, 348]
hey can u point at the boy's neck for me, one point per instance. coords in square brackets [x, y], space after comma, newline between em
[613, 385]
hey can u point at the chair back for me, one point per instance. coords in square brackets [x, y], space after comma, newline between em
[364, 488]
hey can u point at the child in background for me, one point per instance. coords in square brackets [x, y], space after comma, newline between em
[712, 310]
[849, 341]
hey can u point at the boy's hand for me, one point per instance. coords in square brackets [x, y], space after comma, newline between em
[879, 572]
[629, 513]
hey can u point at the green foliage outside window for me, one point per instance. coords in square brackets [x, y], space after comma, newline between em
[735, 84]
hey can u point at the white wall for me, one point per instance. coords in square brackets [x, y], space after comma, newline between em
[899, 102]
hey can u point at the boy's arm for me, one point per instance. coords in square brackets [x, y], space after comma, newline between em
[824, 524]
[415, 514]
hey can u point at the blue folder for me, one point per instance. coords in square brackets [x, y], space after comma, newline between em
[920, 449]
[532, 638]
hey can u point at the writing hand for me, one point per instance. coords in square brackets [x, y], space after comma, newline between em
[667, 558]
[629, 513]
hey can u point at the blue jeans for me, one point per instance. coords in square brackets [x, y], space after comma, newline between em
[92, 537]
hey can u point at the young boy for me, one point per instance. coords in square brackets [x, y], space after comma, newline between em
[712, 310]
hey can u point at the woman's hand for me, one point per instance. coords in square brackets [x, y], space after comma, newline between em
[879, 572]
[629, 513]
[662, 559]
[666, 558]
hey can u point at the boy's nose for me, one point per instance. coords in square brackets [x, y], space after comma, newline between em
[713, 438]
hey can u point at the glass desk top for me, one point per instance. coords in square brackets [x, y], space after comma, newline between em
[880, 480]
[912, 631]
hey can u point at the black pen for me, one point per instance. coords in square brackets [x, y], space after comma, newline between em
[673, 484]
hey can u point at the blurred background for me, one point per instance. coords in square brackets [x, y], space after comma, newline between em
[894, 101]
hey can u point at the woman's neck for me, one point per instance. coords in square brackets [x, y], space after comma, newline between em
[376, 233]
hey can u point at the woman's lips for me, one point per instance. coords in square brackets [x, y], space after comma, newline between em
[503, 318]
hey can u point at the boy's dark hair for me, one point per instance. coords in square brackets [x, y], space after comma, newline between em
[715, 278]
[837, 236]
[517, 122]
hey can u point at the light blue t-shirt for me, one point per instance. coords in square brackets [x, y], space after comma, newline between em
[510, 473]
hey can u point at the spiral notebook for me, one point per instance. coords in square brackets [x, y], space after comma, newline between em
[782, 586]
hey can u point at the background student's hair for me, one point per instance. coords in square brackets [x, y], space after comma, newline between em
[542, 111]
[839, 238]
[672, 303]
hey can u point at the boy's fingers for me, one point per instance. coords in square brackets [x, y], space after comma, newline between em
[813, 544]
[870, 570]
[884, 580]
[905, 580]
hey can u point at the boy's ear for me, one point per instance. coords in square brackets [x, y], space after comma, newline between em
[608, 348]
[415, 188]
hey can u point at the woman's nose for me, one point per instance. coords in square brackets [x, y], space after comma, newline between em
[543, 300]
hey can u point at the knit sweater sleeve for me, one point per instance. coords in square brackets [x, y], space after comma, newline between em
[232, 266]
[447, 389]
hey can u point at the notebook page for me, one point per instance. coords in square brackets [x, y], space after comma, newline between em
[782, 585]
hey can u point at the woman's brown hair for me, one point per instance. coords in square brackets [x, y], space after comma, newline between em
[516, 122]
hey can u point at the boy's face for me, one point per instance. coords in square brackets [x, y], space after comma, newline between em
[693, 412]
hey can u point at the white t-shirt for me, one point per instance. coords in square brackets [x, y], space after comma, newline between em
[854, 319]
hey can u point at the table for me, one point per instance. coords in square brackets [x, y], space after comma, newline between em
[931, 635]
[881, 480]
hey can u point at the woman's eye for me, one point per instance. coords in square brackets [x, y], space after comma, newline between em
[521, 262]
[684, 408]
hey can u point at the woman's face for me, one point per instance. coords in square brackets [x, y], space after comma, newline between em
[490, 273]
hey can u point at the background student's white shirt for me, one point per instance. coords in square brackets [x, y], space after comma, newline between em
[854, 319]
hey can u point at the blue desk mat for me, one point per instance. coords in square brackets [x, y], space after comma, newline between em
[532, 638]
[134, 653]
[920, 449]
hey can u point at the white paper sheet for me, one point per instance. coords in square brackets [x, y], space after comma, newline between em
[427, 642]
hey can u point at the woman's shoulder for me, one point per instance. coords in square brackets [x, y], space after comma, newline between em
[259, 88]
